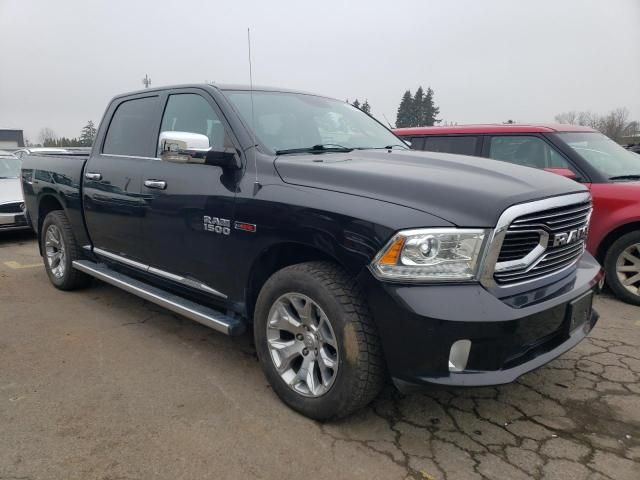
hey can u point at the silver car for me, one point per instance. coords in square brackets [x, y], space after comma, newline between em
[39, 150]
[12, 211]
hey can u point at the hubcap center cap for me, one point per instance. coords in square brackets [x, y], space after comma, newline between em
[310, 340]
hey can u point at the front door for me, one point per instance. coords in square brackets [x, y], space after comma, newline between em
[112, 178]
[189, 215]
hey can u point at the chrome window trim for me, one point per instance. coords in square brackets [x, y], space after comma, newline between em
[488, 265]
[129, 156]
[189, 282]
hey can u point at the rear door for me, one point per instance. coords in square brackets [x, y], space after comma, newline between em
[187, 225]
[112, 198]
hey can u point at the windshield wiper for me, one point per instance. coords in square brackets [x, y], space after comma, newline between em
[625, 177]
[388, 147]
[320, 148]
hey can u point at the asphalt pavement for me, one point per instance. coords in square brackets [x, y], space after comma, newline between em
[98, 384]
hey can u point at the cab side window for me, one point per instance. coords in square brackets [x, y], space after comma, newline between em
[189, 112]
[526, 150]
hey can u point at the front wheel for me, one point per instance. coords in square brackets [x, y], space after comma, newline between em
[622, 266]
[316, 342]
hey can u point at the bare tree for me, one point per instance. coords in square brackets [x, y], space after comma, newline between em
[567, 117]
[46, 135]
[589, 119]
[615, 124]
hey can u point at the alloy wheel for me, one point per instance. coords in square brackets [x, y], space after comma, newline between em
[55, 251]
[628, 268]
[302, 344]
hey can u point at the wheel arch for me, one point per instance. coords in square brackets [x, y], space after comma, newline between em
[275, 258]
[47, 204]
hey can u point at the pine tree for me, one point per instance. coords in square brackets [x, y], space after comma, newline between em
[88, 134]
[403, 117]
[430, 111]
[417, 110]
[356, 103]
[365, 107]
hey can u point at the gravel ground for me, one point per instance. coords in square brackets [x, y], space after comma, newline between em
[97, 384]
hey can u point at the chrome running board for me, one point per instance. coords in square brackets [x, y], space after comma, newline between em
[201, 314]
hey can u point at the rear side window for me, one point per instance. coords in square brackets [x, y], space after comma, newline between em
[526, 150]
[132, 130]
[417, 143]
[463, 145]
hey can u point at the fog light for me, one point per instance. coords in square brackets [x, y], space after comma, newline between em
[458, 355]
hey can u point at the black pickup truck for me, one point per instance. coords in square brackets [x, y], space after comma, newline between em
[352, 258]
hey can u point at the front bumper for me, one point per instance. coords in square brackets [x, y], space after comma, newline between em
[509, 336]
[13, 221]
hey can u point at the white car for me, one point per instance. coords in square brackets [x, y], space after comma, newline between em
[12, 211]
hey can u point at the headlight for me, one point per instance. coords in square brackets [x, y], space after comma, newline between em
[431, 254]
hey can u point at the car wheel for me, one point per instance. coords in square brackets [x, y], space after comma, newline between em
[622, 266]
[316, 341]
[59, 249]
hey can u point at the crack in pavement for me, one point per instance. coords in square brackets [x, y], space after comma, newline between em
[577, 417]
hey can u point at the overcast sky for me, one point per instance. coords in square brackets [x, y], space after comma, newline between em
[487, 61]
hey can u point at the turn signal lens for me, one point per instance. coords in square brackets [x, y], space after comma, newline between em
[392, 253]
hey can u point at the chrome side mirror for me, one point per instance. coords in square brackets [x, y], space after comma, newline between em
[183, 147]
[187, 147]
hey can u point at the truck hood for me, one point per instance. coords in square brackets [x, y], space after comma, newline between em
[466, 191]
[10, 190]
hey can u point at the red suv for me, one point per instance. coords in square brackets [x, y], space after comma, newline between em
[585, 155]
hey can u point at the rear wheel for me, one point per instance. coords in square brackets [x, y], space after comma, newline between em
[316, 341]
[59, 249]
[622, 266]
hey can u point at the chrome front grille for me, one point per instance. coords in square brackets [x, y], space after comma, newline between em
[12, 207]
[518, 244]
[541, 243]
[555, 220]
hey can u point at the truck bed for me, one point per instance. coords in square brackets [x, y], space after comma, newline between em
[55, 178]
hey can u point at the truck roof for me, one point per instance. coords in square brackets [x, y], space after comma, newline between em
[491, 128]
[223, 87]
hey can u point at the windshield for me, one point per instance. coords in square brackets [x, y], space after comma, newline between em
[292, 121]
[9, 167]
[603, 153]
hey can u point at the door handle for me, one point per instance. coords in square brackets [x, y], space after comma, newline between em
[159, 184]
[93, 176]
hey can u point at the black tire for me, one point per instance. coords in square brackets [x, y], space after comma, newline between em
[70, 279]
[361, 373]
[610, 266]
